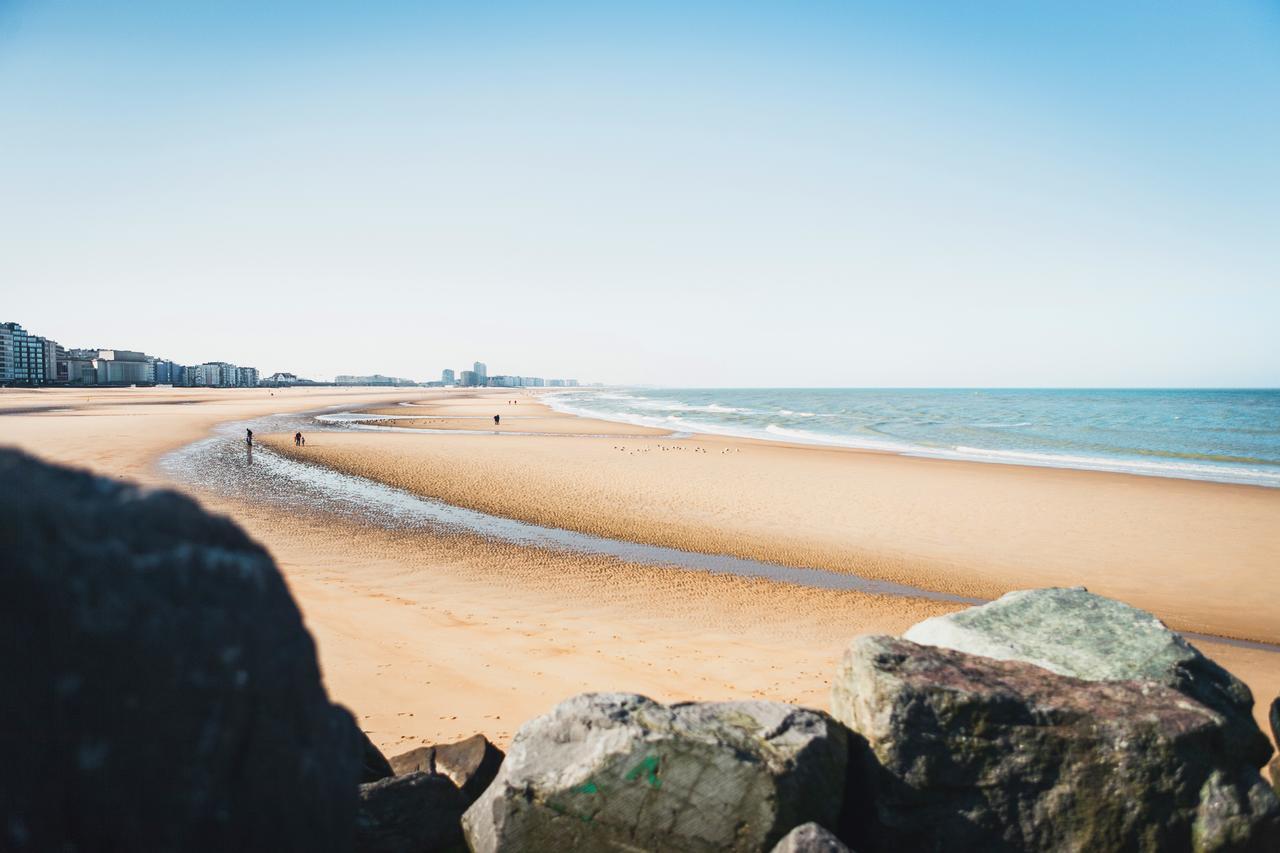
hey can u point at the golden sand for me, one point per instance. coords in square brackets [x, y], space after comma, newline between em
[428, 637]
[1195, 553]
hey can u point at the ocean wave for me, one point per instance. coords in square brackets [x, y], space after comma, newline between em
[810, 437]
[659, 405]
[676, 406]
[934, 430]
[1127, 466]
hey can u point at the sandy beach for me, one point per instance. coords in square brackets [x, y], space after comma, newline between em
[1194, 552]
[429, 636]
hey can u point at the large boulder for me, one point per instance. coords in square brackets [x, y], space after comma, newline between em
[971, 753]
[810, 838]
[619, 771]
[158, 690]
[472, 764]
[1074, 632]
[414, 813]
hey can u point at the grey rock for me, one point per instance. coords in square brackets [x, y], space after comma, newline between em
[158, 690]
[1074, 632]
[619, 771]
[471, 764]
[972, 753]
[1274, 767]
[373, 764]
[810, 838]
[414, 813]
[418, 760]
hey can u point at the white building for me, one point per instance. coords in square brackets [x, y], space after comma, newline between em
[124, 367]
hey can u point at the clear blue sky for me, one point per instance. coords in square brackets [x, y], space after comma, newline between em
[930, 194]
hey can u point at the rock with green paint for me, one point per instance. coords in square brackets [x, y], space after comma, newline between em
[971, 753]
[1074, 632]
[610, 771]
[810, 838]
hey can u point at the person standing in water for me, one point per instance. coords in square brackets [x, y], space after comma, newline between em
[248, 437]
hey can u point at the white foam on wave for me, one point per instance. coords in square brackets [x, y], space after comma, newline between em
[1250, 475]
[559, 405]
[663, 405]
[810, 437]
[1162, 468]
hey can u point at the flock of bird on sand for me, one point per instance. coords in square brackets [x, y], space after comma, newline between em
[664, 449]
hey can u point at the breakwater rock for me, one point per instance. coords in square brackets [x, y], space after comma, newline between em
[619, 771]
[810, 838]
[418, 812]
[471, 764]
[974, 753]
[1274, 767]
[158, 691]
[1074, 632]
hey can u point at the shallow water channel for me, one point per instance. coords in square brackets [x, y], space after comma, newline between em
[223, 463]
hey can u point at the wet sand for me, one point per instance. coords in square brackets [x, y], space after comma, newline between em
[1195, 553]
[516, 425]
[429, 636]
[468, 411]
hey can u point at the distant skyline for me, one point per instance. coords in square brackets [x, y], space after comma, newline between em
[809, 194]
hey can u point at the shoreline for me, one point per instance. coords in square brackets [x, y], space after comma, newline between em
[989, 456]
[961, 528]
[557, 542]
[430, 637]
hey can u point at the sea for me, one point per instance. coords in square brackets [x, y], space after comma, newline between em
[1230, 436]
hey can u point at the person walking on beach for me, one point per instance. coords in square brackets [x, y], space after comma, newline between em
[248, 437]
[297, 439]
[497, 419]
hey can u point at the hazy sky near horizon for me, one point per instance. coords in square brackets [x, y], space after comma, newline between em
[840, 194]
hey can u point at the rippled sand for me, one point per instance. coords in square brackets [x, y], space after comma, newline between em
[1196, 553]
[428, 636]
